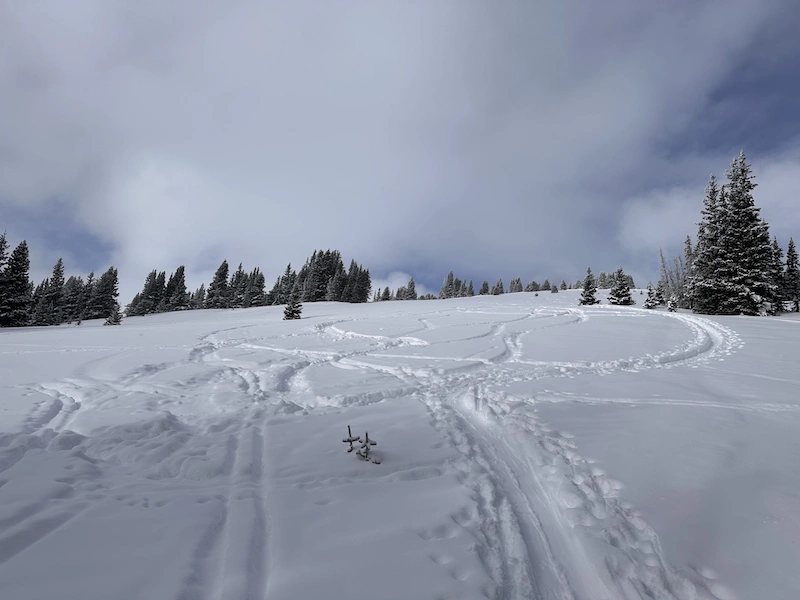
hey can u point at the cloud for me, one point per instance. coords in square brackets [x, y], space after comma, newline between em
[397, 279]
[446, 135]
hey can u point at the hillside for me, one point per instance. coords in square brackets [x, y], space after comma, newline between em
[528, 448]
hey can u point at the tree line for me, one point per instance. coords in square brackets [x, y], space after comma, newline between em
[322, 277]
[55, 300]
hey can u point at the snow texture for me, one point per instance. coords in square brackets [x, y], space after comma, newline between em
[528, 448]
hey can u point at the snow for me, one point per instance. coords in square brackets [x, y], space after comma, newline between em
[528, 447]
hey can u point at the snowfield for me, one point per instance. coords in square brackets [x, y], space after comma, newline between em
[529, 448]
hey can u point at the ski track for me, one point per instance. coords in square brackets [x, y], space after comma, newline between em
[530, 484]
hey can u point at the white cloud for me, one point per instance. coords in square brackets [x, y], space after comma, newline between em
[448, 133]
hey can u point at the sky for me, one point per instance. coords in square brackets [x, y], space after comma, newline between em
[496, 139]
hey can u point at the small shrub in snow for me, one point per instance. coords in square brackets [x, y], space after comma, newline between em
[366, 444]
[363, 454]
[672, 305]
[350, 439]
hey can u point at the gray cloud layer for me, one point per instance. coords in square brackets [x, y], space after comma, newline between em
[484, 137]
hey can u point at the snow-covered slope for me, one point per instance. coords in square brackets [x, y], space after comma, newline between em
[528, 448]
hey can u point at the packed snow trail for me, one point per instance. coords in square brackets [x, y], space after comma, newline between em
[211, 441]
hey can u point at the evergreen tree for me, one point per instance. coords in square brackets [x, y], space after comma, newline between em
[387, 294]
[103, 299]
[448, 287]
[588, 297]
[620, 294]
[293, 307]
[411, 289]
[73, 295]
[3, 251]
[776, 274]
[498, 288]
[484, 291]
[791, 277]
[545, 286]
[178, 298]
[532, 287]
[115, 317]
[256, 293]
[553, 289]
[15, 302]
[88, 291]
[672, 305]
[238, 288]
[40, 309]
[55, 295]
[563, 285]
[651, 301]
[199, 297]
[470, 289]
[217, 294]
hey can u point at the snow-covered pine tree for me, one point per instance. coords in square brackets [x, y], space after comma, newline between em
[545, 286]
[498, 288]
[40, 311]
[293, 307]
[237, 288]
[484, 291]
[704, 286]
[791, 277]
[387, 294]
[257, 291]
[651, 301]
[532, 287]
[411, 289]
[115, 318]
[448, 287]
[104, 295]
[589, 295]
[470, 289]
[73, 292]
[776, 274]
[217, 292]
[563, 285]
[55, 295]
[178, 298]
[747, 247]
[199, 298]
[620, 294]
[672, 305]
[15, 302]
[554, 289]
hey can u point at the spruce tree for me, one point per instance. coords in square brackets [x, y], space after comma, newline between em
[217, 293]
[115, 317]
[55, 295]
[387, 294]
[448, 287]
[620, 294]
[545, 286]
[238, 288]
[746, 248]
[104, 295]
[498, 288]
[563, 285]
[651, 301]
[791, 277]
[178, 298]
[40, 310]
[588, 297]
[776, 274]
[15, 303]
[411, 289]
[256, 293]
[293, 307]
[484, 291]
[470, 289]
[73, 293]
